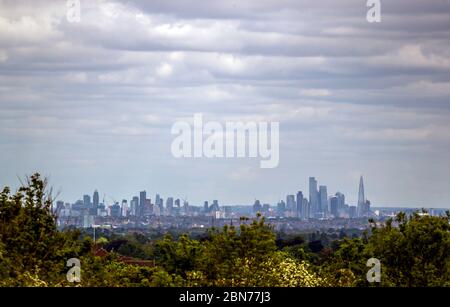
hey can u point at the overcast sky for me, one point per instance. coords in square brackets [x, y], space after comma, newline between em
[91, 104]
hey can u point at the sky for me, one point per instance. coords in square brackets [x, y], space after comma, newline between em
[90, 104]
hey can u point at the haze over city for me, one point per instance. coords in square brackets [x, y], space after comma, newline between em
[91, 103]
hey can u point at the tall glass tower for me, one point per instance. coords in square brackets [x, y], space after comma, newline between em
[361, 198]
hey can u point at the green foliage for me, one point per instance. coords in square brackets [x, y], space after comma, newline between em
[30, 245]
[414, 251]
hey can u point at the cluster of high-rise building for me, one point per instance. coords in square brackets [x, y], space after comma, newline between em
[318, 204]
[86, 211]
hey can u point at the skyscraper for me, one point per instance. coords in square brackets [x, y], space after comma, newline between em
[124, 207]
[341, 210]
[134, 205]
[142, 198]
[299, 204]
[215, 205]
[341, 200]
[361, 199]
[87, 201]
[323, 199]
[313, 197]
[334, 203]
[291, 206]
[305, 209]
[95, 199]
[95, 202]
[206, 207]
[159, 203]
[169, 205]
[281, 208]
[186, 207]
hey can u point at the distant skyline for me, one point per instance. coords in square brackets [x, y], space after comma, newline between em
[91, 104]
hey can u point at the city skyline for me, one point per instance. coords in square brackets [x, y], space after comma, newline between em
[91, 103]
[137, 198]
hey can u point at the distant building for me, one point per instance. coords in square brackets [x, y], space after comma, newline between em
[313, 197]
[215, 206]
[159, 203]
[305, 209]
[142, 199]
[177, 203]
[169, 205]
[352, 212]
[341, 200]
[134, 206]
[363, 208]
[148, 207]
[323, 199]
[186, 207]
[115, 210]
[299, 204]
[87, 201]
[124, 207]
[205, 207]
[95, 202]
[281, 208]
[334, 204]
[257, 206]
[291, 205]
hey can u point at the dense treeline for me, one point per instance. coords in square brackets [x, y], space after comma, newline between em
[413, 251]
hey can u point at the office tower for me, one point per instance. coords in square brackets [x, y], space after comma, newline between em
[281, 208]
[305, 209]
[206, 207]
[313, 197]
[323, 199]
[177, 203]
[157, 200]
[134, 205]
[148, 207]
[95, 202]
[169, 205]
[115, 210]
[361, 199]
[161, 206]
[186, 207]
[341, 200]
[95, 199]
[124, 207]
[257, 206]
[367, 208]
[352, 212]
[215, 205]
[87, 201]
[159, 203]
[299, 204]
[290, 204]
[142, 198]
[334, 205]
